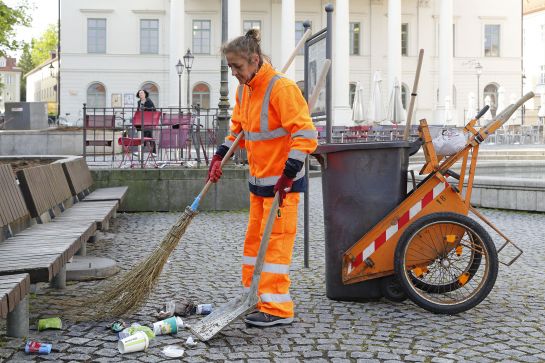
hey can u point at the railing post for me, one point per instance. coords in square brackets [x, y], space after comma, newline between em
[142, 138]
[84, 131]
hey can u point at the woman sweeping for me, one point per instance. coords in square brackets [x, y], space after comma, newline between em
[278, 135]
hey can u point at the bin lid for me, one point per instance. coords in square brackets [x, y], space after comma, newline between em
[332, 148]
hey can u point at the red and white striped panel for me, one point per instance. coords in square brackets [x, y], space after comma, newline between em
[402, 221]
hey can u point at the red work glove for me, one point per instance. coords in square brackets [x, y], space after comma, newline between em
[283, 186]
[214, 171]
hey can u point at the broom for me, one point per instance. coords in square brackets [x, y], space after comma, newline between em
[126, 293]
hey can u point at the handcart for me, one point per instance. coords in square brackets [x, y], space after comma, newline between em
[434, 253]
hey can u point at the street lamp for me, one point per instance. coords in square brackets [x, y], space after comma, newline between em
[188, 63]
[179, 69]
[479, 71]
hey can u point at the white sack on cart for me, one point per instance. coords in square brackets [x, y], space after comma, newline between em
[449, 142]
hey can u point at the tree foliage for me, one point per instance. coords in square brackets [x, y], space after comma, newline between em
[10, 18]
[26, 64]
[43, 46]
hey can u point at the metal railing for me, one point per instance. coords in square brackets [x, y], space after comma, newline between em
[127, 137]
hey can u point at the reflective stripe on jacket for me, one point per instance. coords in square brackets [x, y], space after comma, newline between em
[274, 117]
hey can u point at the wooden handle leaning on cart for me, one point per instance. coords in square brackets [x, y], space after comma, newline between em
[413, 96]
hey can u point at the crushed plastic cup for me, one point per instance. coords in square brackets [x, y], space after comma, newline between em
[32, 347]
[168, 326]
[173, 351]
[133, 329]
[49, 323]
[134, 343]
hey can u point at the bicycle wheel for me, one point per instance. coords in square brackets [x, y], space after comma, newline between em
[446, 263]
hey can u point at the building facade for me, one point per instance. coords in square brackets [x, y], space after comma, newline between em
[534, 57]
[10, 78]
[41, 84]
[110, 49]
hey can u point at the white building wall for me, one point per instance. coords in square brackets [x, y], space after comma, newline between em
[123, 69]
[534, 54]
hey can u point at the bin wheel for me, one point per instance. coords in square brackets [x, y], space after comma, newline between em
[392, 290]
[446, 263]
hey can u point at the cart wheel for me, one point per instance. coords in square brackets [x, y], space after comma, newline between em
[391, 289]
[462, 256]
[446, 263]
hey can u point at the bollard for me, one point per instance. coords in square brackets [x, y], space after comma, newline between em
[59, 280]
[17, 323]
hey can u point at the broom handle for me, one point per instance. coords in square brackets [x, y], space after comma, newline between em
[413, 96]
[295, 51]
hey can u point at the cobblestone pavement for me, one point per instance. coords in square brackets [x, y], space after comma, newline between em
[507, 326]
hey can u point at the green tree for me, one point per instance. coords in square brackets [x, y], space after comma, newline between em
[10, 18]
[26, 64]
[42, 47]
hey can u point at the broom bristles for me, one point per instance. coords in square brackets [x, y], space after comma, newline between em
[127, 292]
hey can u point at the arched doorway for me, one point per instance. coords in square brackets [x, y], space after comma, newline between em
[96, 95]
[491, 90]
[201, 95]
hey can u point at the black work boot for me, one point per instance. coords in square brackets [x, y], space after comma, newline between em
[263, 319]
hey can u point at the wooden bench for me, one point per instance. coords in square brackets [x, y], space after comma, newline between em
[80, 181]
[41, 250]
[48, 196]
[14, 303]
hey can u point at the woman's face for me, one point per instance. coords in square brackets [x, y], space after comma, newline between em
[141, 94]
[241, 68]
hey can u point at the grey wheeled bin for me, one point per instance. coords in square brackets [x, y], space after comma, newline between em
[361, 183]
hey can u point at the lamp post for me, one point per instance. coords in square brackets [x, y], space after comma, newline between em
[478, 71]
[179, 69]
[188, 63]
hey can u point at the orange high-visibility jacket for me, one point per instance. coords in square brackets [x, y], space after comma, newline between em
[274, 116]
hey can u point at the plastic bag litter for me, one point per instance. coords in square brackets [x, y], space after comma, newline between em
[173, 351]
[449, 142]
[190, 342]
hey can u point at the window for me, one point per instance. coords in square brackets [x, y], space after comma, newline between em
[405, 39]
[405, 95]
[351, 94]
[491, 40]
[542, 75]
[490, 94]
[201, 36]
[201, 95]
[251, 24]
[2, 62]
[299, 31]
[96, 95]
[149, 36]
[96, 35]
[354, 38]
[153, 91]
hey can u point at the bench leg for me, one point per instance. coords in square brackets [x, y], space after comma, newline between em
[17, 323]
[59, 280]
[83, 250]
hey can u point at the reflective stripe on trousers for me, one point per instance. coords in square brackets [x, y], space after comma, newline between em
[273, 289]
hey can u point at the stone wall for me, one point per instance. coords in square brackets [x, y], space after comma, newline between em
[174, 189]
[41, 142]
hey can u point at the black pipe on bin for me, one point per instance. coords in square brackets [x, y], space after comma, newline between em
[306, 219]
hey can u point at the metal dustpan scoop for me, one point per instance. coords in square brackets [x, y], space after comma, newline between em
[235, 308]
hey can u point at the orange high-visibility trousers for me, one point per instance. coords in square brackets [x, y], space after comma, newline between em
[273, 289]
